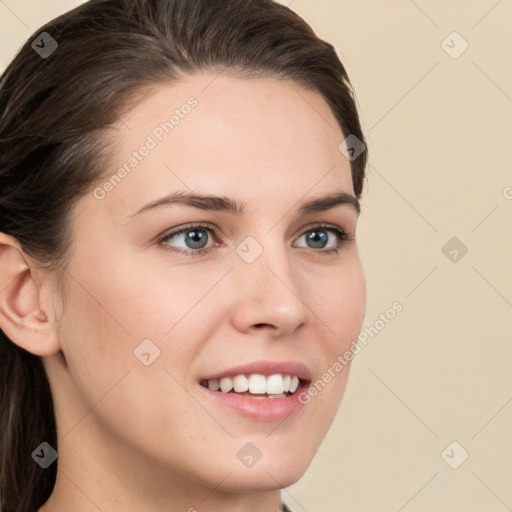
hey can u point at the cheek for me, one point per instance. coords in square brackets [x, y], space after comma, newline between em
[113, 308]
[95, 340]
[352, 304]
[136, 297]
[151, 299]
[106, 319]
[340, 303]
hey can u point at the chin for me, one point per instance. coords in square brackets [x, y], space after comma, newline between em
[264, 477]
[277, 468]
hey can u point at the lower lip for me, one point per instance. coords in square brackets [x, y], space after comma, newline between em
[259, 409]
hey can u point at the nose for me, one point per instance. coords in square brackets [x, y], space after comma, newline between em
[268, 295]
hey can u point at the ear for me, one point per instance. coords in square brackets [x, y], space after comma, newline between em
[23, 319]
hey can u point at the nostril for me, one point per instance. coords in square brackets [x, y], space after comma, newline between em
[262, 326]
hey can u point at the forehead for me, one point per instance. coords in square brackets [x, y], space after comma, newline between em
[247, 138]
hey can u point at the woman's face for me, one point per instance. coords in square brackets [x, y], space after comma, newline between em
[152, 315]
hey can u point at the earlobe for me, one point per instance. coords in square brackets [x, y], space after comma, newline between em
[23, 319]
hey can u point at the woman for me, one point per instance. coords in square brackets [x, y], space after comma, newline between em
[179, 185]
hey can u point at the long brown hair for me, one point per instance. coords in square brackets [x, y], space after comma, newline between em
[55, 114]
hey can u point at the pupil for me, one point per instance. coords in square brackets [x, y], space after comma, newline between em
[196, 239]
[318, 238]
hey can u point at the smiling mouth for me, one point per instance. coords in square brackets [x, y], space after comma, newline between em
[255, 385]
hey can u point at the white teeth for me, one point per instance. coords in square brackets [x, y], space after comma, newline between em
[257, 384]
[213, 384]
[276, 385]
[226, 384]
[240, 383]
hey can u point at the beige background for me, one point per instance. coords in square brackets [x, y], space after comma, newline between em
[439, 133]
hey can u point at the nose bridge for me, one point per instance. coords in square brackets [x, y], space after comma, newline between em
[269, 292]
[266, 260]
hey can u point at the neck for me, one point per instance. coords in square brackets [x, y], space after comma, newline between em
[91, 486]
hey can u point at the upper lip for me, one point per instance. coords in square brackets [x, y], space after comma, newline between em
[264, 368]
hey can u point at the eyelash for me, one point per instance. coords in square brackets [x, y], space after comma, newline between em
[341, 235]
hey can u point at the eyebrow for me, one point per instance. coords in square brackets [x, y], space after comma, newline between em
[226, 204]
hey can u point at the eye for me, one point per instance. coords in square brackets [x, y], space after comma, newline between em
[189, 239]
[318, 238]
[193, 240]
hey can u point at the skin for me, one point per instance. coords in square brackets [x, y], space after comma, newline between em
[135, 437]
